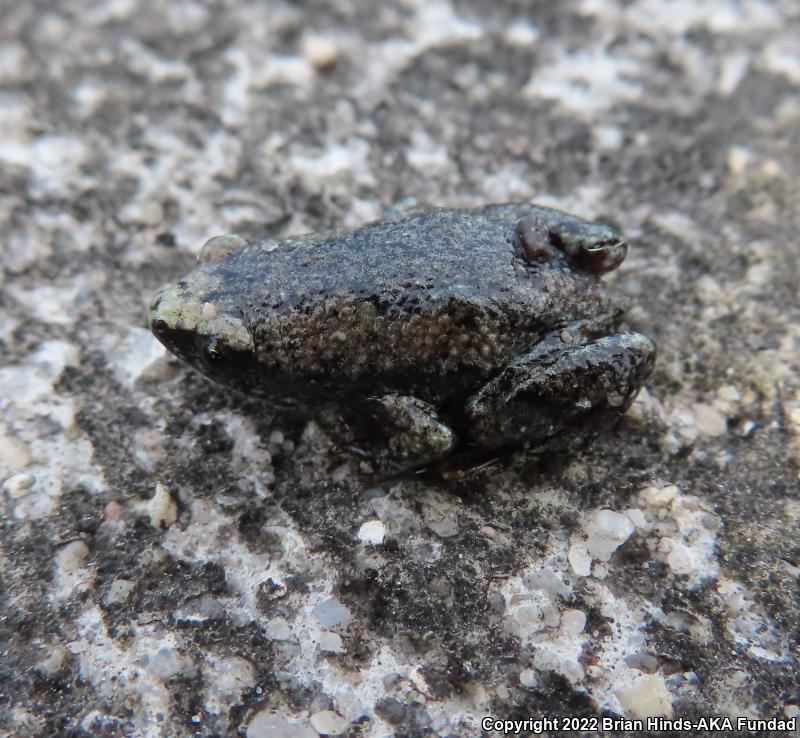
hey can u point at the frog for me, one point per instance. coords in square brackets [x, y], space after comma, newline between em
[442, 336]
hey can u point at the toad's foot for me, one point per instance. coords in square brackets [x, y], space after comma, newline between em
[566, 389]
[416, 435]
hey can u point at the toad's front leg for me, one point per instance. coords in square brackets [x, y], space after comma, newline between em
[567, 388]
[409, 432]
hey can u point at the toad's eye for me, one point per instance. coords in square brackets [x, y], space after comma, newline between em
[602, 256]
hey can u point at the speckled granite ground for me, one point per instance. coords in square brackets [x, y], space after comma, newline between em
[177, 561]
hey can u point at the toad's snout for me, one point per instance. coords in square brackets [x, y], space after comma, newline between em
[171, 324]
[200, 332]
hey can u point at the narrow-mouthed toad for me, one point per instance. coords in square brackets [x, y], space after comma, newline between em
[467, 331]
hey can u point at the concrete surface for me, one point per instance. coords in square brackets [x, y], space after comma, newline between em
[178, 561]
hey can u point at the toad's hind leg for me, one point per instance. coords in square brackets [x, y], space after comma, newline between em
[413, 434]
[568, 387]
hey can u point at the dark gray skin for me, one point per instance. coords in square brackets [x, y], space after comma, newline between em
[438, 332]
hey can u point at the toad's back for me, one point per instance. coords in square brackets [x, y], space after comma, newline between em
[444, 287]
[435, 299]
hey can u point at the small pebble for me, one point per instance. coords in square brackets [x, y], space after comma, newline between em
[442, 525]
[573, 622]
[372, 533]
[729, 393]
[18, 485]
[165, 663]
[738, 159]
[681, 560]
[643, 661]
[605, 532]
[320, 52]
[112, 510]
[227, 679]
[142, 212]
[637, 517]
[546, 580]
[328, 722]
[118, 591]
[199, 610]
[659, 496]
[332, 614]
[418, 680]
[528, 678]
[71, 557]
[268, 724]
[13, 452]
[161, 508]
[331, 642]
[279, 629]
[579, 559]
[709, 420]
[269, 590]
[521, 33]
[647, 697]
